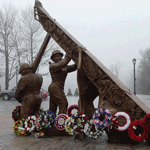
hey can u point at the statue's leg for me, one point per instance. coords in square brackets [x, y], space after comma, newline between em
[25, 110]
[52, 104]
[37, 105]
[58, 99]
[30, 106]
[62, 103]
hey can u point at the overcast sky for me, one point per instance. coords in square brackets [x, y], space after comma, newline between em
[111, 29]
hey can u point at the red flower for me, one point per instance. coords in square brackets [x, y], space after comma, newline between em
[133, 127]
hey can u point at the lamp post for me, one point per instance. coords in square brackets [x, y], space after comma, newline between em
[134, 62]
[16, 75]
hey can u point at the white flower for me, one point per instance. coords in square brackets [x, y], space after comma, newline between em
[71, 130]
[32, 128]
[21, 128]
[33, 117]
[83, 115]
[75, 127]
[72, 120]
[134, 127]
[91, 132]
[91, 121]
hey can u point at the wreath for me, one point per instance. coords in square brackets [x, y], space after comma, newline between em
[72, 109]
[60, 121]
[37, 124]
[147, 121]
[19, 129]
[102, 118]
[138, 131]
[91, 134]
[115, 121]
[16, 113]
[68, 127]
[29, 124]
[78, 121]
[40, 134]
[46, 119]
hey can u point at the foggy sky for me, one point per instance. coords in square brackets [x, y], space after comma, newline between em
[111, 30]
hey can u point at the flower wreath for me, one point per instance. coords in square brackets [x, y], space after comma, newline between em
[68, 128]
[102, 118]
[60, 121]
[72, 109]
[89, 133]
[47, 119]
[19, 130]
[29, 124]
[40, 134]
[37, 124]
[115, 121]
[16, 113]
[147, 121]
[133, 130]
[78, 121]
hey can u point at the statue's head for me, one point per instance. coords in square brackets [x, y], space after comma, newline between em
[56, 55]
[24, 67]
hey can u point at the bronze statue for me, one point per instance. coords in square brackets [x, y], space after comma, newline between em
[59, 70]
[28, 91]
[93, 78]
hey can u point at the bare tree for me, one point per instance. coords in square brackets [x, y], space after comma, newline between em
[116, 68]
[143, 79]
[7, 21]
[31, 33]
[31, 38]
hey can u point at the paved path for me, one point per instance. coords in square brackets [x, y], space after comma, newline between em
[8, 141]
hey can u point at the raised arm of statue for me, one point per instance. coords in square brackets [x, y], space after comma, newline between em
[71, 68]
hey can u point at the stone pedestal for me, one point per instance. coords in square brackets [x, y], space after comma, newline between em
[115, 136]
[55, 132]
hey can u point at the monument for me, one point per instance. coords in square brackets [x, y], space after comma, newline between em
[93, 78]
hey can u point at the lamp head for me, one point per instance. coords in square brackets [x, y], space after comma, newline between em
[134, 61]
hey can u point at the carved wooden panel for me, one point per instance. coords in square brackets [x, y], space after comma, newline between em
[107, 84]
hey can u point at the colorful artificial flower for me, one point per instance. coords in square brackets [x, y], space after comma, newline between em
[46, 119]
[87, 130]
[134, 131]
[29, 124]
[102, 118]
[40, 134]
[115, 121]
[16, 113]
[76, 123]
[19, 129]
[60, 121]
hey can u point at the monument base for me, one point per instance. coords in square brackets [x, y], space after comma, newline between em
[115, 136]
[55, 132]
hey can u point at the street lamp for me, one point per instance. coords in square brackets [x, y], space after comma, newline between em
[16, 75]
[134, 62]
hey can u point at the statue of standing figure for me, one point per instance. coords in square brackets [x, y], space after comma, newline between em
[28, 91]
[59, 70]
